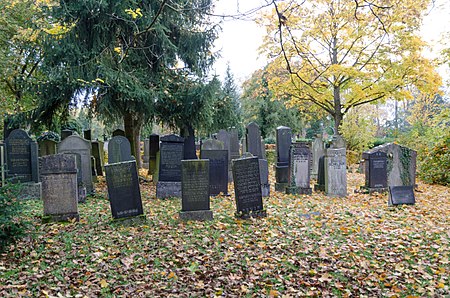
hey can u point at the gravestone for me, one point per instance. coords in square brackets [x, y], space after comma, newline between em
[189, 144]
[337, 142]
[320, 186]
[400, 195]
[123, 189]
[264, 177]
[299, 169]
[66, 133]
[119, 149]
[93, 169]
[2, 163]
[59, 187]
[47, 147]
[318, 150]
[212, 144]
[253, 140]
[118, 132]
[146, 156]
[218, 170]
[171, 153]
[336, 172]
[401, 164]
[153, 149]
[225, 137]
[195, 190]
[87, 134]
[98, 154]
[77, 145]
[284, 140]
[244, 146]
[375, 170]
[247, 186]
[234, 144]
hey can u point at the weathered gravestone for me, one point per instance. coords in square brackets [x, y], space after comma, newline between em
[2, 163]
[153, 150]
[59, 187]
[81, 187]
[119, 149]
[375, 171]
[247, 186]
[234, 144]
[98, 154]
[218, 170]
[212, 144]
[399, 195]
[225, 137]
[77, 145]
[336, 172]
[195, 190]
[264, 177]
[320, 186]
[118, 132]
[66, 133]
[284, 140]
[253, 140]
[171, 153]
[87, 134]
[318, 150]
[47, 147]
[401, 164]
[146, 155]
[299, 169]
[123, 189]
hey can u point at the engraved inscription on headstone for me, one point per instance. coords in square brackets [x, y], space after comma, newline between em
[399, 195]
[218, 170]
[21, 157]
[336, 172]
[375, 170]
[119, 149]
[170, 155]
[299, 169]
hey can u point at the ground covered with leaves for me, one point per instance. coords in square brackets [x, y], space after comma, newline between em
[307, 246]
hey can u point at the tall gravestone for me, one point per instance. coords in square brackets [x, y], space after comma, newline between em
[47, 147]
[299, 169]
[318, 150]
[118, 132]
[59, 187]
[284, 140]
[320, 186]
[195, 185]
[119, 149]
[225, 137]
[264, 177]
[66, 133]
[253, 140]
[189, 144]
[99, 155]
[2, 163]
[212, 144]
[247, 186]
[401, 164]
[336, 172]
[87, 134]
[234, 144]
[375, 172]
[153, 150]
[123, 189]
[218, 170]
[146, 155]
[77, 145]
[171, 154]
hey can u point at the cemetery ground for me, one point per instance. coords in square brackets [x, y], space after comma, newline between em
[308, 245]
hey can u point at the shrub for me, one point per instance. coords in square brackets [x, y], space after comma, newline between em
[435, 166]
[12, 226]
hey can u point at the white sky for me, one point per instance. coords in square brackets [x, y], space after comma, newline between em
[239, 40]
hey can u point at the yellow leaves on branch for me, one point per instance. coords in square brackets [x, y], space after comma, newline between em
[58, 29]
[134, 13]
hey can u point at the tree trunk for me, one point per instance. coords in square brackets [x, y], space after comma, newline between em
[336, 92]
[132, 132]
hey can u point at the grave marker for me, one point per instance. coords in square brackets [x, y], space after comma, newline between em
[299, 169]
[118, 132]
[399, 195]
[119, 149]
[153, 150]
[284, 140]
[375, 170]
[171, 155]
[253, 140]
[47, 147]
[98, 154]
[218, 170]
[318, 150]
[336, 172]
[212, 144]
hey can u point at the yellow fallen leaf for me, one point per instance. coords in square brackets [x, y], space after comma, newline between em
[171, 275]
[103, 283]
[440, 285]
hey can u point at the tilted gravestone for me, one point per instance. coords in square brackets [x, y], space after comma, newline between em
[399, 195]
[401, 164]
[212, 144]
[77, 145]
[119, 149]
[320, 186]
[123, 189]
[318, 150]
[153, 150]
[98, 154]
[253, 140]
[375, 171]
[284, 140]
[59, 187]
[118, 132]
[247, 186]
[47, 147]
[225, 137]
[336, 172]
[195, 186]
[234, 144]
[171, 154]
[299, 169]
[218, 170]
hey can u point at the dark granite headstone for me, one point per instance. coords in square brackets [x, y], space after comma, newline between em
[98, 154]
[59, 187]
[399, 195]
[225, 137]
[189, 145]
[21, 157]
[218, 170]
[284, 140]
[320, 186]
[171, 154]
[375, 171]
[47, 147]
[299, 169]
[234, 144]
[212, 144]
[66, 133]
[119, 149]
[118, 132]
[153, 149]
[253, 140]
[123, 189]
[247, 186]
[87, 134]
[195, 190]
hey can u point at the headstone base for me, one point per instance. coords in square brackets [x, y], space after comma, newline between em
[81, 194]
[168, 189]
[292, 190]
[265, 190]
[281, 187]
[319, 187]
[282, 174]
[60, 217]
[129, 221]
[254, 214]
[200, 215]
[30, 191]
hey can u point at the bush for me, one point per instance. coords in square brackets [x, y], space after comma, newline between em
[435, 166]
[12, 226]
